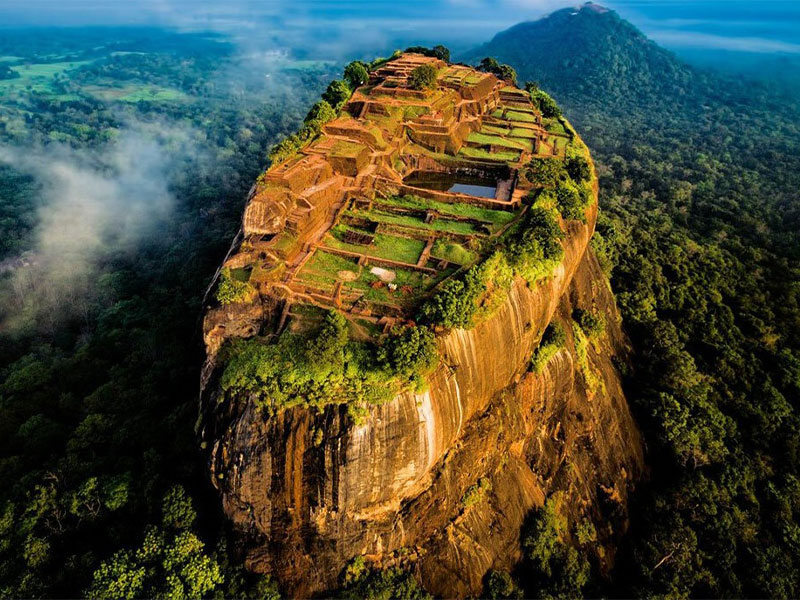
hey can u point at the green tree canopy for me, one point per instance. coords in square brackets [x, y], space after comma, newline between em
[356, 74]
[423, 77]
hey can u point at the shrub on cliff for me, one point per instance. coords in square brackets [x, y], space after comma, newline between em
[326, 367]
[591, 324]
[532, 251]
[571, 201]
[337, 93]
[422, 78]
[544, 102]
[411, 353]
[535, 249]
[545, 172]
[476, 492]
[451, 306]
[321, 113]
[230, 291]
[553, 340]
[578, 169]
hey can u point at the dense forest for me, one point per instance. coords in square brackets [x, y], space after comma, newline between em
[699, 226]
[105, 491]
[99, 389]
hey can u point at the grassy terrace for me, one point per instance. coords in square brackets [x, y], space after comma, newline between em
[494, 129]
[496, 218]
[554, 126]
[486, 155]
[443, 225]
[516, 91]
[453, 252]
[324, 269]
[523, 132]
[496, 140]
[345, 149]
[518, 115]
[389, 247]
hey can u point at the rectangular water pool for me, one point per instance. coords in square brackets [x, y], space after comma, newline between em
[457, 184]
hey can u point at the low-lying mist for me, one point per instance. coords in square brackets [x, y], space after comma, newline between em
[95, 205]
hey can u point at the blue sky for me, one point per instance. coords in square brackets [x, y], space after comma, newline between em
[761, 26]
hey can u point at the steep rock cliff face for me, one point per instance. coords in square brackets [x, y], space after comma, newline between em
[310, 491]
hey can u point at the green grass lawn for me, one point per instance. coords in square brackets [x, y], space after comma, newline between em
[323, 268]
[485, 155]
[385, 246]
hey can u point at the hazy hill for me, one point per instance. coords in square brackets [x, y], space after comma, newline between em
[583, 52]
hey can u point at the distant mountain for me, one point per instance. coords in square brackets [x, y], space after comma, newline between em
[581, 53]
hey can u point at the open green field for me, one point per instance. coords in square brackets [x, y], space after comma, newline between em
[389, 247]
[324, 268]
[136, 93]
[38, 78]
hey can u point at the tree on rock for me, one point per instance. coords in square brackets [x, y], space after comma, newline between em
[422, 78]
[337, 94]
[441, 52]
[356, 74]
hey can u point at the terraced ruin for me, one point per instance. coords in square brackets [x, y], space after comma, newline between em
[401, 191]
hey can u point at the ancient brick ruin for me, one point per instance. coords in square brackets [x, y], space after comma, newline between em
[400, 191]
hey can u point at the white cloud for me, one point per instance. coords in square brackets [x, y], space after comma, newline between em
[692, 39]
[93, 206]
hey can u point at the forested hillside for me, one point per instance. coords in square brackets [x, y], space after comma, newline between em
[699, 226]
